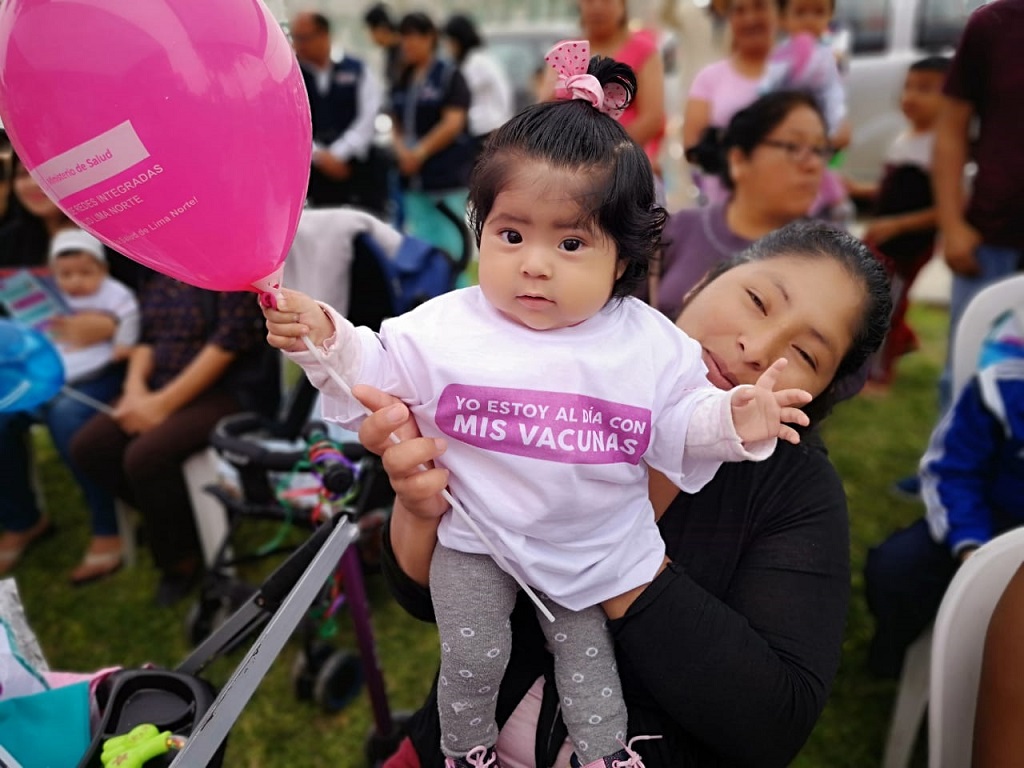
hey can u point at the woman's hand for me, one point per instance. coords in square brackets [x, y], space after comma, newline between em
[959, 243]
[331, 166]
[760, 413]
[296, 315]
[409, 160]
[409, 463]
[139, 412]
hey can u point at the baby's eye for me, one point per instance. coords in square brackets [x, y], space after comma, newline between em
[757, 300]
[510, 236]
[572, 244]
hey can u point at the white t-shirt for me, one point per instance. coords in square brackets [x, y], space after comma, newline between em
[115, 298]
[491, 102]
[910, 148]
[549, 432]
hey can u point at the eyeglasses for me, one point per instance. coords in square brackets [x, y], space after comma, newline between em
[799, 153]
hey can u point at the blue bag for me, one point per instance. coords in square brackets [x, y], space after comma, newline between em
[417, 272]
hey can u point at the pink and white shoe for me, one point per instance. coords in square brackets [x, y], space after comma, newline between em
[477, 757]
[624, 758]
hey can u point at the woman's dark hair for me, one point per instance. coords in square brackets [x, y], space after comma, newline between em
[417, 23]
[746, 130]
[618, 194]
[463, 31]
[817, 240]
[30, 244]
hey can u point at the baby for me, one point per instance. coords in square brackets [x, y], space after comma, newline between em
[78, 265]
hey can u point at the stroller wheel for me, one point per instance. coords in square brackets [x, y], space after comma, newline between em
[338, 681]
[306, 666]
[379, 747]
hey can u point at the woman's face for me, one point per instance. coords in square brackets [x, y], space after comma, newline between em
[783, 173]
[602, 18]
[806, 309]
[754, 24]
[31, 196]
[416, 48]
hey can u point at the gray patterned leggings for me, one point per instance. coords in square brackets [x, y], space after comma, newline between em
[473, 599]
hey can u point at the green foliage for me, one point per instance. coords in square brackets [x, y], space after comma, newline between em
[873, 441]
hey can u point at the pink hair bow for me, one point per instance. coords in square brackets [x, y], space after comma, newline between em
[570, 59]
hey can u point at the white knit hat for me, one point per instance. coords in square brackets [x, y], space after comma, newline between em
[68, 240]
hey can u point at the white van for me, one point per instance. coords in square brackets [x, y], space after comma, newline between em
[886, 36]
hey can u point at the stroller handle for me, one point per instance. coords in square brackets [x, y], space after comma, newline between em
[230, 439]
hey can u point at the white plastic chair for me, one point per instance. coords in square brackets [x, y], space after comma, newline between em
[200, 470]
[959, 638]
[976, 321]
[913, 694]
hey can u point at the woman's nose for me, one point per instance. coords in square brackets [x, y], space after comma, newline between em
[758, 351]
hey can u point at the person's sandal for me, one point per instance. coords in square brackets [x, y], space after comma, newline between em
[14, 545]
[96, 566]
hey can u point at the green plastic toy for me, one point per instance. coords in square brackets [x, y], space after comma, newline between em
[135, 748]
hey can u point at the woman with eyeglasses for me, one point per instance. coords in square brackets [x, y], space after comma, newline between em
[771, 161]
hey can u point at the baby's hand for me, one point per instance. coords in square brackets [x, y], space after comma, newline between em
[296, 315]
[760, 413]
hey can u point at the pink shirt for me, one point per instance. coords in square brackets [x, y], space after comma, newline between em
[725, 89]
[635, 52]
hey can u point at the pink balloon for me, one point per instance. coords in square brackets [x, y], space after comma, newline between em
[176, 132]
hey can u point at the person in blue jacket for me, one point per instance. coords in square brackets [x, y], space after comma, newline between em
[972, 483]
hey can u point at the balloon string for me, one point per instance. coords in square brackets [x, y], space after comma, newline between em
[499, 558]
[92, 402]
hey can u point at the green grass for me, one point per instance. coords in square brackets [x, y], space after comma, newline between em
[873, 441]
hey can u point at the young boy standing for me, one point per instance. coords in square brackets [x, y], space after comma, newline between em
[904, 228]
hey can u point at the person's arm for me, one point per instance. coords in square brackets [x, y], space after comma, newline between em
[448, 128]
[887, 227]
[650, 101]
[140, 410]
[82, 329]
[998, 735]
[959, 239]
[957, 471]
[861, 190]
[696, 117]
[140, 367]
[355, 142]
[418, 506]
[454, 116]
[747, 674]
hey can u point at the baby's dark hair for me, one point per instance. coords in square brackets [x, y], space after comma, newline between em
[817, 240]
[940, 64]
[747, 129]
[617, 196]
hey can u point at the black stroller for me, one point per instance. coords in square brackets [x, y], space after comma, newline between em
[384, 274]
[182, 708]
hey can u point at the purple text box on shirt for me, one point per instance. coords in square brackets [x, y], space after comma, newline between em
[551, 426]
